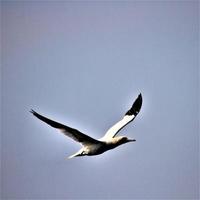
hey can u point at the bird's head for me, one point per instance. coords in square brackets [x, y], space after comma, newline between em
[123, 140]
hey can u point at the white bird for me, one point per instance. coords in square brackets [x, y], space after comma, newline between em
[92, 146]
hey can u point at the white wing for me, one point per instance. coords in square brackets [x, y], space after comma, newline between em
[129, 116]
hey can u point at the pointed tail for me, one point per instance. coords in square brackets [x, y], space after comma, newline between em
[79, 153]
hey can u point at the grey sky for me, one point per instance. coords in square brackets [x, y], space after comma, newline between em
[83, 64]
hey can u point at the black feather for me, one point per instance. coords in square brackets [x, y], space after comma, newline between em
[135, 109]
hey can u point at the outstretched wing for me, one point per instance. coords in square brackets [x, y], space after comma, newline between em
[129, 116]
[71, 132]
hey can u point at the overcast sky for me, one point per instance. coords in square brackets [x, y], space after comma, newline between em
[83, 63]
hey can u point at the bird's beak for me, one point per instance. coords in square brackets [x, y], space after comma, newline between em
[131, 140]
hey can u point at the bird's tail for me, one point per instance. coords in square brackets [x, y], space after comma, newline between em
[75, 155]
[72, 156]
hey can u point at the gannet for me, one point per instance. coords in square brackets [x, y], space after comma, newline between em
[93, 146]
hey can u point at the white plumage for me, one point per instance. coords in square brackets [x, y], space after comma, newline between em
[92, 146]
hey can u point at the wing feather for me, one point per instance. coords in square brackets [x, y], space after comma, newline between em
[129, 117]
[66, 130]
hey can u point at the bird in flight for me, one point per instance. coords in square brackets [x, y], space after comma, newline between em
[93, 146]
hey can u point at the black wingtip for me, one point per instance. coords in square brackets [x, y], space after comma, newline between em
[135, 109]
[32, 111]
[139, 97]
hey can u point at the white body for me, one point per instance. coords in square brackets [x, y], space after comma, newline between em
[92, 146]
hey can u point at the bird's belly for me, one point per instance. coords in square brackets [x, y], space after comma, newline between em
[97, 149]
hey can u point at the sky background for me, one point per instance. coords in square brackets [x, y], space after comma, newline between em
[83, 63]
